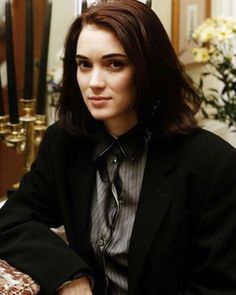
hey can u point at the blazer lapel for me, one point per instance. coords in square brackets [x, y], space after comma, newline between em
[155, 199]
[81, 177]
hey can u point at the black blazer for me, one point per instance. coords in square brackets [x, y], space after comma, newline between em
[183, 240]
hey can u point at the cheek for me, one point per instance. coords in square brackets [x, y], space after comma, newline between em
[78, 80]
[126, 84]
[81, 81]
[129, 88]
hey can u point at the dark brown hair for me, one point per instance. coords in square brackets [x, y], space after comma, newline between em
[166, 102]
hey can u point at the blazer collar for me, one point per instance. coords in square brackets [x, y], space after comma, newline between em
[155, 199]
[80, 173]
[129, 143]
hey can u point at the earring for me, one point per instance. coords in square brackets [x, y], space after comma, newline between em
[155, 107]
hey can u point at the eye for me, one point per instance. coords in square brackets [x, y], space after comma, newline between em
[116, 64]
[83, 64]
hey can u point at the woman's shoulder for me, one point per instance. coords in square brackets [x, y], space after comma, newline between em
[61, 139]
[56, 132]
[205, 148]
[205, 140]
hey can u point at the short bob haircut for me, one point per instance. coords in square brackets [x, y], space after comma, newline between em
[167, 100]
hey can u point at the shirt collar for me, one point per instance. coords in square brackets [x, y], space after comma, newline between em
[130, 143]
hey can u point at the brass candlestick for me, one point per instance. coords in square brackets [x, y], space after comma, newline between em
[26, 136]
[4, 129]
[15, 138]
[39, 128]
[28, 120]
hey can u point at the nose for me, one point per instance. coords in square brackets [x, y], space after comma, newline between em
[96, 80]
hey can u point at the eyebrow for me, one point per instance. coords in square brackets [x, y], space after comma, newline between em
[111, 55]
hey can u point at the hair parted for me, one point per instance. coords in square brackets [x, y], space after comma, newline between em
[167, 100]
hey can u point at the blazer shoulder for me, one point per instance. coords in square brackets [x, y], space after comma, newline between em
[55, 131]
[58, 135]
[204, 148]
[205, 140]
[58, 139]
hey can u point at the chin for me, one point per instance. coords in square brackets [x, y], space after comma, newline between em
[100, 117]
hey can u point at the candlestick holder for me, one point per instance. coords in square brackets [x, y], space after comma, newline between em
[28, 120]
[4, 128]
[26, 136]
[15, 138]
[40, 128]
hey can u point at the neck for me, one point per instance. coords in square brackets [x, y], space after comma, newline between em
[118, 126]
[117, 130]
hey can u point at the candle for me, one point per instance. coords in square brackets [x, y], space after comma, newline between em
[28, 71]
[11, 75]
[149, 3]
[41, 93]
[1, 98]
[84, 5]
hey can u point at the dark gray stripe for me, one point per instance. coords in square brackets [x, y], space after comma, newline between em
[112, 254]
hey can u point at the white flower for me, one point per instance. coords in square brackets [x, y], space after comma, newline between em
[55, 75]
[217, 36]
[204, 32]
[58, 71]
[215, 42]
[201, 55]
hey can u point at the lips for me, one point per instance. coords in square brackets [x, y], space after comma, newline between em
[99, 98]
[99, 101]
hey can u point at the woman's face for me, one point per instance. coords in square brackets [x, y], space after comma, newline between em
[106, 78]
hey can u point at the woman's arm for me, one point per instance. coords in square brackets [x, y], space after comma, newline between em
[26, 240]
[80, 286]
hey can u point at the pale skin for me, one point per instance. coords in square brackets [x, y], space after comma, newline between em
[77, 287]
[105, 76]
[106, 79]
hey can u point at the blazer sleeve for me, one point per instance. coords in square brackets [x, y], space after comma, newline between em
[212, 262]
[26, 240]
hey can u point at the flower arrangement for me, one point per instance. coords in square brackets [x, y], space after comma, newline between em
[54, 80]
[216, 48]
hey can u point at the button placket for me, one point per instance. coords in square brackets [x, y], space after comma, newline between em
[101, 242]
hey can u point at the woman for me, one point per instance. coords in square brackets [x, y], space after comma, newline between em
[147, 209]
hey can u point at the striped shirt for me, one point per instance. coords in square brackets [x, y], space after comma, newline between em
[121, 162]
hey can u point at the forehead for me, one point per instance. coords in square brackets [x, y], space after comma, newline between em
[95, 39]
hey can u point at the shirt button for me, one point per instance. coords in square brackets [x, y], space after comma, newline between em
[115, 160]
[101, 242]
